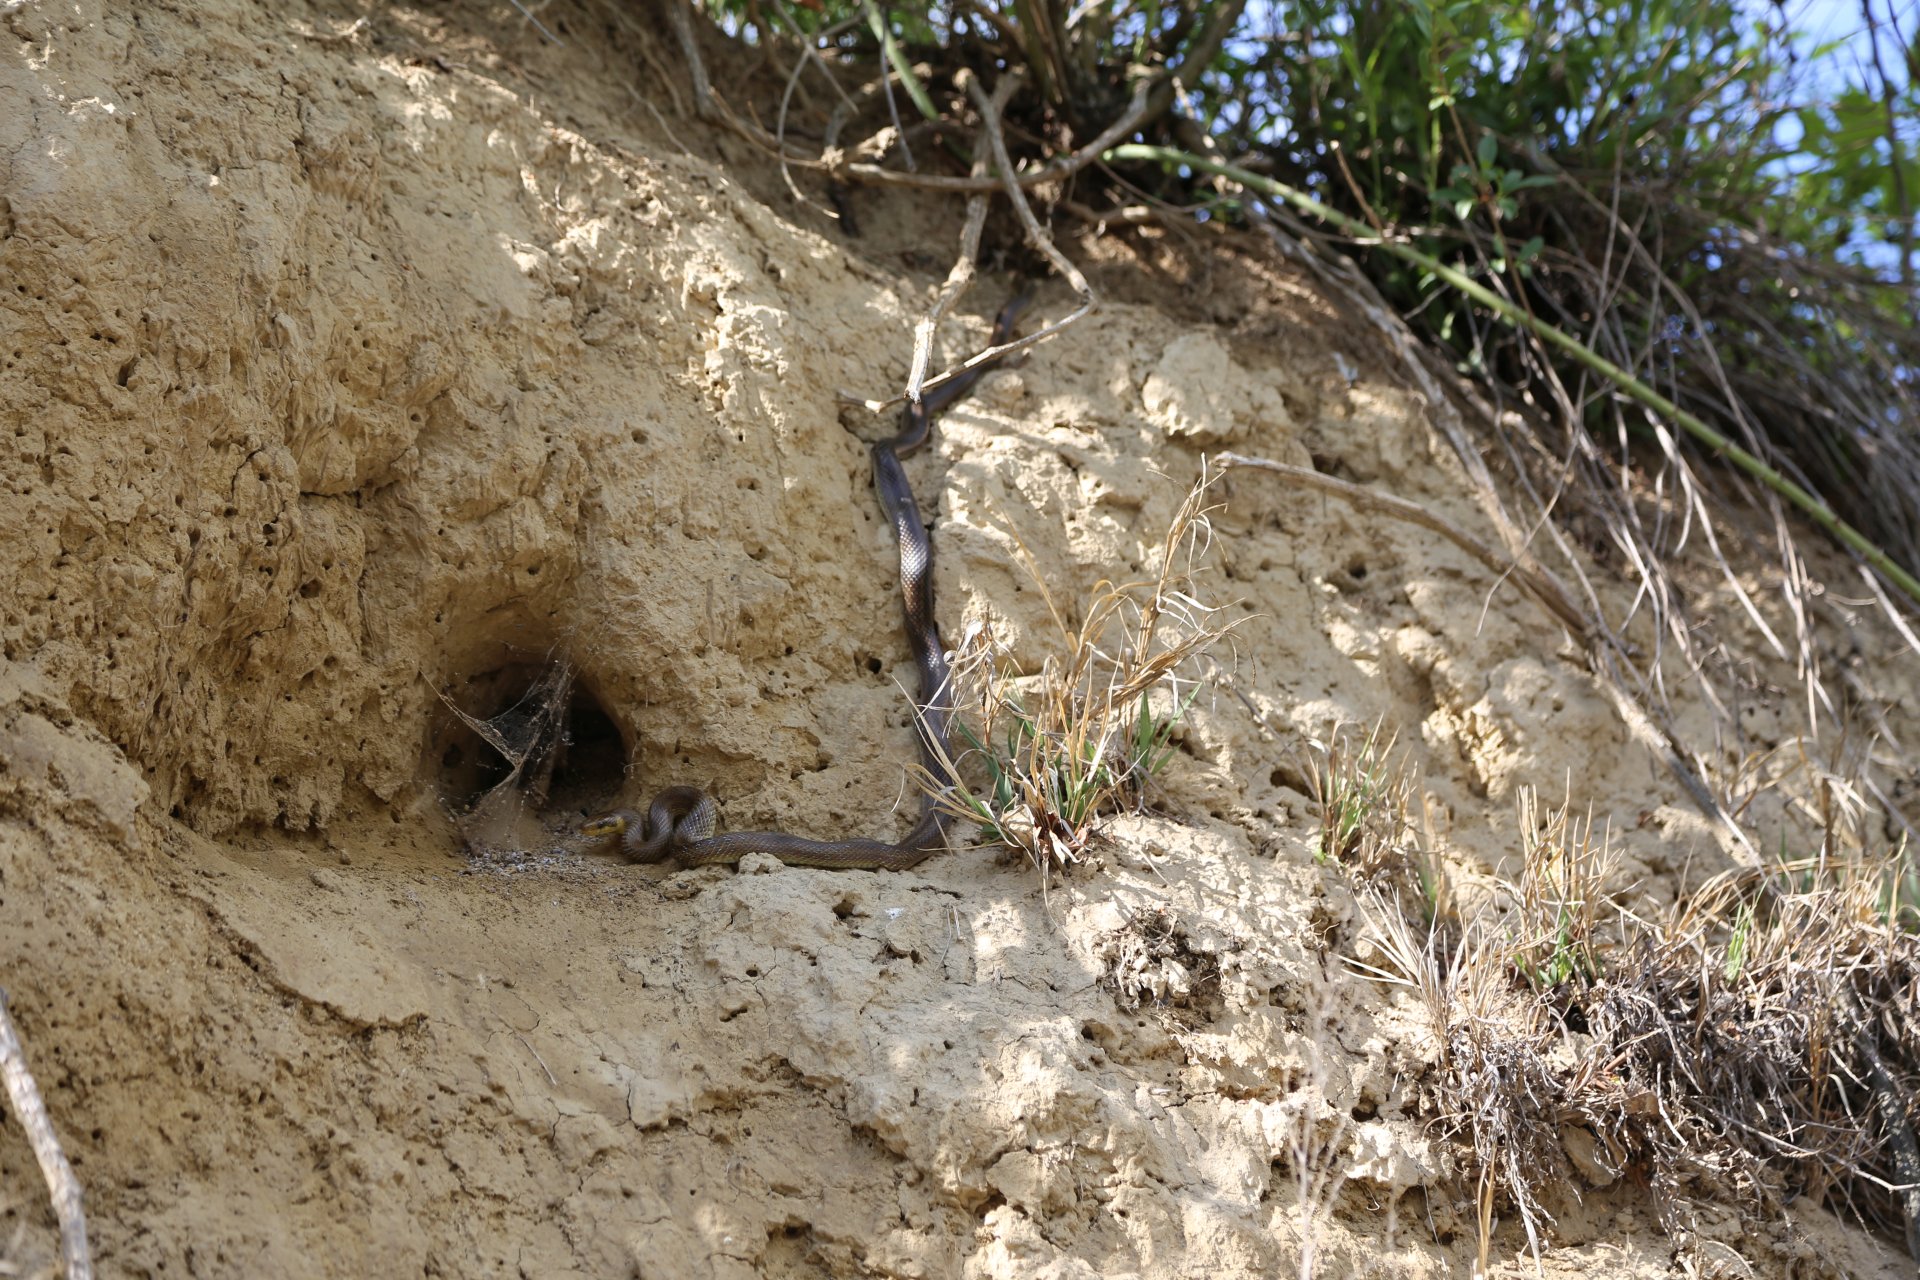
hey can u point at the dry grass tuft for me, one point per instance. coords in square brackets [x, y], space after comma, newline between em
[1366, 792]
[1365, 797]
[1760, 1039]
[1768, 1006]
[1562, 889]
[1084, 736]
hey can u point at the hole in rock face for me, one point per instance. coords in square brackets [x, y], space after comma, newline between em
[525, 739]
[590, 770]
[499, 716]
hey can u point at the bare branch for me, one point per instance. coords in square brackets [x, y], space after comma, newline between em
[961, 275]
[680, 14]
[31, 1111]
[1036, 234]
[1129, 122]
[1537, 582]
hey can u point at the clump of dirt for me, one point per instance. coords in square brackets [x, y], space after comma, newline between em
[355, 363]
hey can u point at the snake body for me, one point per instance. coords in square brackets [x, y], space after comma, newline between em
[681, 822]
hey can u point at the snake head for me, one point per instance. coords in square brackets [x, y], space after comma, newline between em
[608, 826]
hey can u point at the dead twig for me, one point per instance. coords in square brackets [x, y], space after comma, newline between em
[993, 142]
[810, 55]
[31, 1111]
[1059, 167]
[538, 25]
[1602, 648]
[1537, 581]
[680, 15]
[961, 274]
[1036, 234]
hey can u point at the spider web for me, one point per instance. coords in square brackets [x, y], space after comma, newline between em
[530, 737]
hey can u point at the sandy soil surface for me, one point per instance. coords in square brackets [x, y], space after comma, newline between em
[356, 362]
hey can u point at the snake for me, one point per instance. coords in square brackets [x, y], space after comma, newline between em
[681, 823]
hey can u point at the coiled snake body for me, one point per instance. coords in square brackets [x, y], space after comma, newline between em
[681, 821]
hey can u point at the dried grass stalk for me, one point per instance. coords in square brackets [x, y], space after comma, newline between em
[1057, 749]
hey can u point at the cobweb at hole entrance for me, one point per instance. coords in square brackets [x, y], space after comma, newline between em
[499, 823]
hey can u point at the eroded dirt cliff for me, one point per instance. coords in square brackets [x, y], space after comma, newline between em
[359, 361]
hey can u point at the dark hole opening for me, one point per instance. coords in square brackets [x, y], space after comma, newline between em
[593, 764]
[1287, 775]
[571, 754]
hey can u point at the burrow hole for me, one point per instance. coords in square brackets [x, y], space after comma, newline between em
[576, 756]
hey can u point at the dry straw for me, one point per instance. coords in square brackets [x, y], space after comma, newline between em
[1052, 751]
